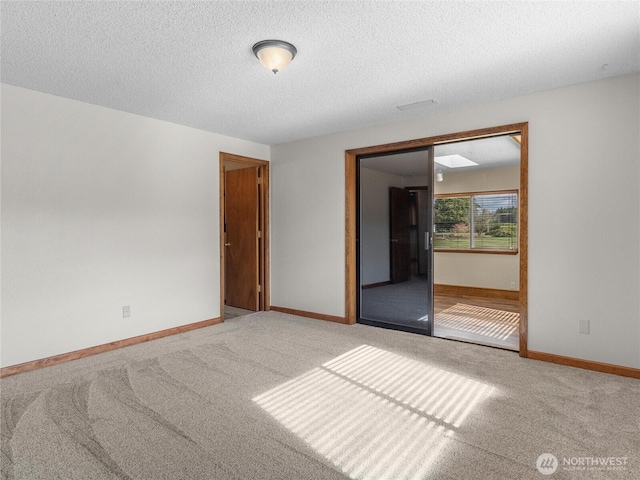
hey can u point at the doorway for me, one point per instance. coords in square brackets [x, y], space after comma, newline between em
[491, 233]
[244, 235]
[476, 240]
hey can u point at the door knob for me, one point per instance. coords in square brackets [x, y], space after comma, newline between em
[227, 244]
[394, 239]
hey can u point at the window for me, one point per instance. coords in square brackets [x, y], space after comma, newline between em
[477, 222]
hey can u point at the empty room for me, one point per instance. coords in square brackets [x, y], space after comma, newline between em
[320, 240]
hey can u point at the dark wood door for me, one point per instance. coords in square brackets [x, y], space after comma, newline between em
[241, 245]
[399, 233]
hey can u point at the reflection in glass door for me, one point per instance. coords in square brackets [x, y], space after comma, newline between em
[395, 259]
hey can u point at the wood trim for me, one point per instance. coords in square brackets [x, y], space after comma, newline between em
[106, 347]
[374, 285]
[266, 237]
[350, 238]
[265, 275]
[484, 251]
[302, 313]
[221, 204]
[429, 141]
[523, 233]
[474, 194]
[231, 157]
[461, 291]
[350, 209]
[585, 364]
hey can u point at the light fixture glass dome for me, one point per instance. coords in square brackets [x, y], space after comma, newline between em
[274, 54]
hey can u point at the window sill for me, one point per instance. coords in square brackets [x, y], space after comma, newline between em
[475, 250]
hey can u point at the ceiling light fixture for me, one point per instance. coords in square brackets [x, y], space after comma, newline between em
[439, 176]
[274, 54]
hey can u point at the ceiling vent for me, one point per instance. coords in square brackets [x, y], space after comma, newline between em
[417, 105]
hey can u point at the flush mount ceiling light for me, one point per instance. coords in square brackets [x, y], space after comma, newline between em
[274, 54]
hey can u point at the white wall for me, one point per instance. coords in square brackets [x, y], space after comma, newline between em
[374, 186]
[484, 270]
[307, 238]
[102, 209]
[584, 157]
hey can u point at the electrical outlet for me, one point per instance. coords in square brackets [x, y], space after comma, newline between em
[513, 285]
[584, 326]
[126, 311]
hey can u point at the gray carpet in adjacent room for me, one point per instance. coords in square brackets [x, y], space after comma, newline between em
[403, 303]
[233, 312]
[275, 396]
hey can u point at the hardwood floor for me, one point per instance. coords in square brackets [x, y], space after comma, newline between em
[476, 319]
[442, 302]
[491, 322]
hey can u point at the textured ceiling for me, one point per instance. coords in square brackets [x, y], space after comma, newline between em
[490, 152]
[191, 62]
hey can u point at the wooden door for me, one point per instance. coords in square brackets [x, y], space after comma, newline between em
[242, 217]
[399, 233]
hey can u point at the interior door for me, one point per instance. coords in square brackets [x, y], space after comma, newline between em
[242, 226]
[400, 247]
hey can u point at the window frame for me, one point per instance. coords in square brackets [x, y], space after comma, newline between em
[481, 250]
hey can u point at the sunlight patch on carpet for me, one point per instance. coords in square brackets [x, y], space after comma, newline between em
[479, 320]
[375, 414]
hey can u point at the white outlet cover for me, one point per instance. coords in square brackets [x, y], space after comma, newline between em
[584, 326]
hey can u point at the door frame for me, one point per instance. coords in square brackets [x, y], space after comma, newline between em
[351, 193]
[263, 253]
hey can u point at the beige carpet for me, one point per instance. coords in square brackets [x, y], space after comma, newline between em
[274, 396]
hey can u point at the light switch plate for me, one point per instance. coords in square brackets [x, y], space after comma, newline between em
[584, 326]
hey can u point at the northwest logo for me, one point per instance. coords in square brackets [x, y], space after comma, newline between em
[547, 464]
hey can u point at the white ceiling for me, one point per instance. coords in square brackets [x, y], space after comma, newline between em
[191, 63]
[491, 152]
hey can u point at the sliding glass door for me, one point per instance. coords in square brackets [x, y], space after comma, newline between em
[394, 235]
[436, 236]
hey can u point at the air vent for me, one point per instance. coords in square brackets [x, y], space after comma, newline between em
[417, 105]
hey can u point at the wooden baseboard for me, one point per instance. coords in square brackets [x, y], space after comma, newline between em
[460, 291]
[302, 313]
[374, 285]
[586, 364]
[106, 347]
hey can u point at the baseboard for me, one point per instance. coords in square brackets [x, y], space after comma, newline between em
[106, 347]
[460, 291]
[586, 364]
[374, 285]
[302, 313]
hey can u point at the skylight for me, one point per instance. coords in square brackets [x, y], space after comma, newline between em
[455, 161]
